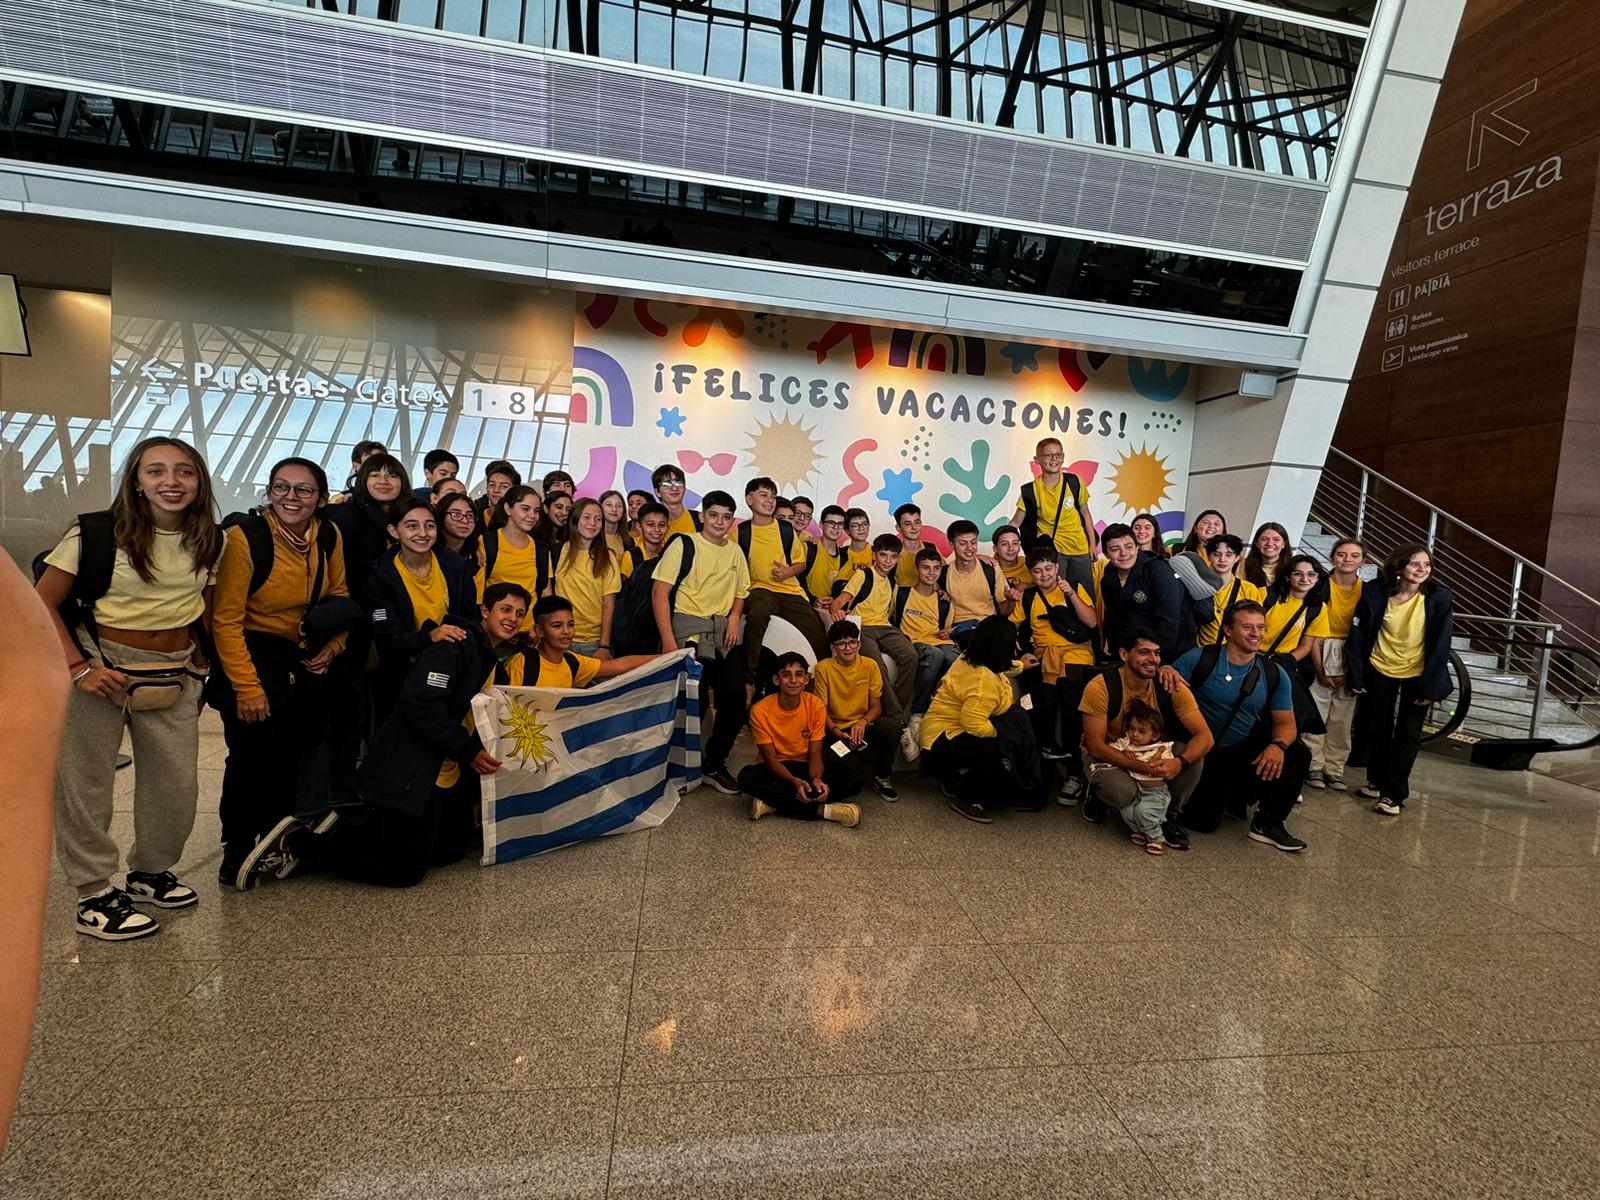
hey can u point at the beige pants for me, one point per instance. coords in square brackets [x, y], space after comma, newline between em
[1330, 751]
[166, 746]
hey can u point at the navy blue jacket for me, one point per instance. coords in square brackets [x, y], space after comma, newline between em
[364, 528]
[1438, 626]
[394, 620]
[1153, 599]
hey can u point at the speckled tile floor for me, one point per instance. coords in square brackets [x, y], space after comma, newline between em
[919, 1007]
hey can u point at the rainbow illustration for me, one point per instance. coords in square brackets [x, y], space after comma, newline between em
[599, 386]
[938, 352]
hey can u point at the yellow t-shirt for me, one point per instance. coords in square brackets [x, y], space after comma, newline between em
[717, 577]
[920, 619]
[645, 559]
[790, 734]
[967, 699]
[766, 552]
[521, 567]
[1096, 700]
[1044, 635]
[1017, 572]
[1280, 614]
[176, 599]
[824, 570]
[874, 610]
[532, 669]
[970, 597]
[430, 600]
[847, 692]
[1212, 632]
[1070, 537]
[618, 544]
[1397, 652]
[857, 558]
[905, 571]
[576, 580]
[683, 523]
[1341, 607]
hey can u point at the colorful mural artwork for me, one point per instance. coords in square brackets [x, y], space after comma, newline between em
[853, 414]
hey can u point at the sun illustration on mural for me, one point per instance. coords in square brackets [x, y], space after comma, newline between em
[1141, 480]
[785, 450]
[527, 733]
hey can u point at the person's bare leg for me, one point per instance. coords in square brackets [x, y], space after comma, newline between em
[33, 708]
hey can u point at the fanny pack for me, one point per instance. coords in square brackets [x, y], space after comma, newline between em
[152, 687]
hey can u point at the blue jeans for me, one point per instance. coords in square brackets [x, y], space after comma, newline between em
[932, 663]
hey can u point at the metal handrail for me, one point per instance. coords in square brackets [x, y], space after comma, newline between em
[1460, 524]
[1552, 626]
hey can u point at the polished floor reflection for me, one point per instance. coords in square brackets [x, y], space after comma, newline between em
[919, 1007]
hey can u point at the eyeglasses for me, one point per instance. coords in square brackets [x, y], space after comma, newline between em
[1302, 574]
[847, 641]
[670, 483]
[283, 488]
[1052, 458]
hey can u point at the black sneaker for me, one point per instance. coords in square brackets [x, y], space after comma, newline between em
[1094, 810]
[162, 890]
[722, 781]
[272, 857]
[111, 917]
[1274, 834]
[228, 869]
[1054, 753]
[971, 810]
[1175, 835]
[1071, 792]
[885, 788]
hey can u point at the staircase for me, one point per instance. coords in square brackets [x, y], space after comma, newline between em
[1526, 661]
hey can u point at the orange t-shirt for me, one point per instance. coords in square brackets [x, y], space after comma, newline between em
[790, 734]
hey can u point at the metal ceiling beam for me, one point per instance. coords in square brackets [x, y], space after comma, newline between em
[1027, 49]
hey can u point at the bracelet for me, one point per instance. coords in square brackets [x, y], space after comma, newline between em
[602, 646]
[83, 674]
[1280, 744]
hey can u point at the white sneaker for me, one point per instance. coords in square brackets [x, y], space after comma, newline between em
[759, 808]
[908, 744]
[848, 815]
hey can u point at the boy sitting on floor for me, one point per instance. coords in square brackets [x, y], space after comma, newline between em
[789, 728]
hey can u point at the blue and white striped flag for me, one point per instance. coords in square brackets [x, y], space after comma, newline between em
[579, 764]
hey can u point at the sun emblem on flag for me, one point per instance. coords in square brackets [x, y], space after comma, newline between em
[527, 733]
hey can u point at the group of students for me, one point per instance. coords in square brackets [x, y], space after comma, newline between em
[341, 639]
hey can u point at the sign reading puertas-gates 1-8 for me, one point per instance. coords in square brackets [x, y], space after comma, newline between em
[866, 416]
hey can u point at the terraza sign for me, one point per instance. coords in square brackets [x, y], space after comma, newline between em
[1495, 195]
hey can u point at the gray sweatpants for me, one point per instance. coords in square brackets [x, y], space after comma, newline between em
[166, 747]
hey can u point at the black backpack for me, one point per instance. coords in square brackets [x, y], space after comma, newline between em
[97, 559]
[1266, 673]
[897, 608]
[537, 659]
[263, 554]
[1030, 510]
[633, 625]
[1062, 618]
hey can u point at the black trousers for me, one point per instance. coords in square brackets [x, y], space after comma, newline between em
[1394, 732]
[848, 774]
[980, 756]
[1058, 702]
[723, 678]
[281, 765]
[1229, 780]
[389, 848]
[765, 786]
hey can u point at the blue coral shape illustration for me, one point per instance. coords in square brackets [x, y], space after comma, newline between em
[671, 422]
[898, 488]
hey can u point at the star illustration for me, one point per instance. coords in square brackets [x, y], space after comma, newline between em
[671, 422]
[898, 488]
[1021, 355]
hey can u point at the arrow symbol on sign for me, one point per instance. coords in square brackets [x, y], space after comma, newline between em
[1491, 119]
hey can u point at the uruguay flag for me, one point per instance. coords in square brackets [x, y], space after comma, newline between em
[580, 764]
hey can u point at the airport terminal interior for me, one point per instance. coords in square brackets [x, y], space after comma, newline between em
[800, 598]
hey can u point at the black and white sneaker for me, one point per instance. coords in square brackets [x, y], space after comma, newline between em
[971, 810]
[1389, 807]
[111, 917]
[163, 890]
[723, 782]
[1273, 833]
[1175, 835]
[885, 788]
[1054, 753]
[1071, 792]
[273, 856]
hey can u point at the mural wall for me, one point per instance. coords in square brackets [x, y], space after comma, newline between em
[866, 416]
